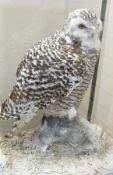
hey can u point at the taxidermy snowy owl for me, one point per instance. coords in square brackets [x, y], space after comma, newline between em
[56, 72]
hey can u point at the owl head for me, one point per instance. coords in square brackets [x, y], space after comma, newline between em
[83, 26]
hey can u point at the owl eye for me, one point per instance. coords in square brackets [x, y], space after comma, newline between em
[82, 26]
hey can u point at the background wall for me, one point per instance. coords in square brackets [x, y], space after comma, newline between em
[22, 24]
[103, 102]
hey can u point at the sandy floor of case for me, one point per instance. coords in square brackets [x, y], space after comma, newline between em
[60, 160]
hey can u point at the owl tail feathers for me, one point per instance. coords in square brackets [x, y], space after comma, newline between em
[2, 117]
[6, 116]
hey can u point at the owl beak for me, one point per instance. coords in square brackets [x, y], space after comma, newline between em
[76, 41]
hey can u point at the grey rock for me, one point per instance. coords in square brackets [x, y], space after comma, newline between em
[77, 133]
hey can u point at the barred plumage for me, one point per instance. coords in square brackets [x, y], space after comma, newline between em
[75, 98]
[56, 72]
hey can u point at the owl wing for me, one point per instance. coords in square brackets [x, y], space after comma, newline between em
[44, 79]
[41, 80]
